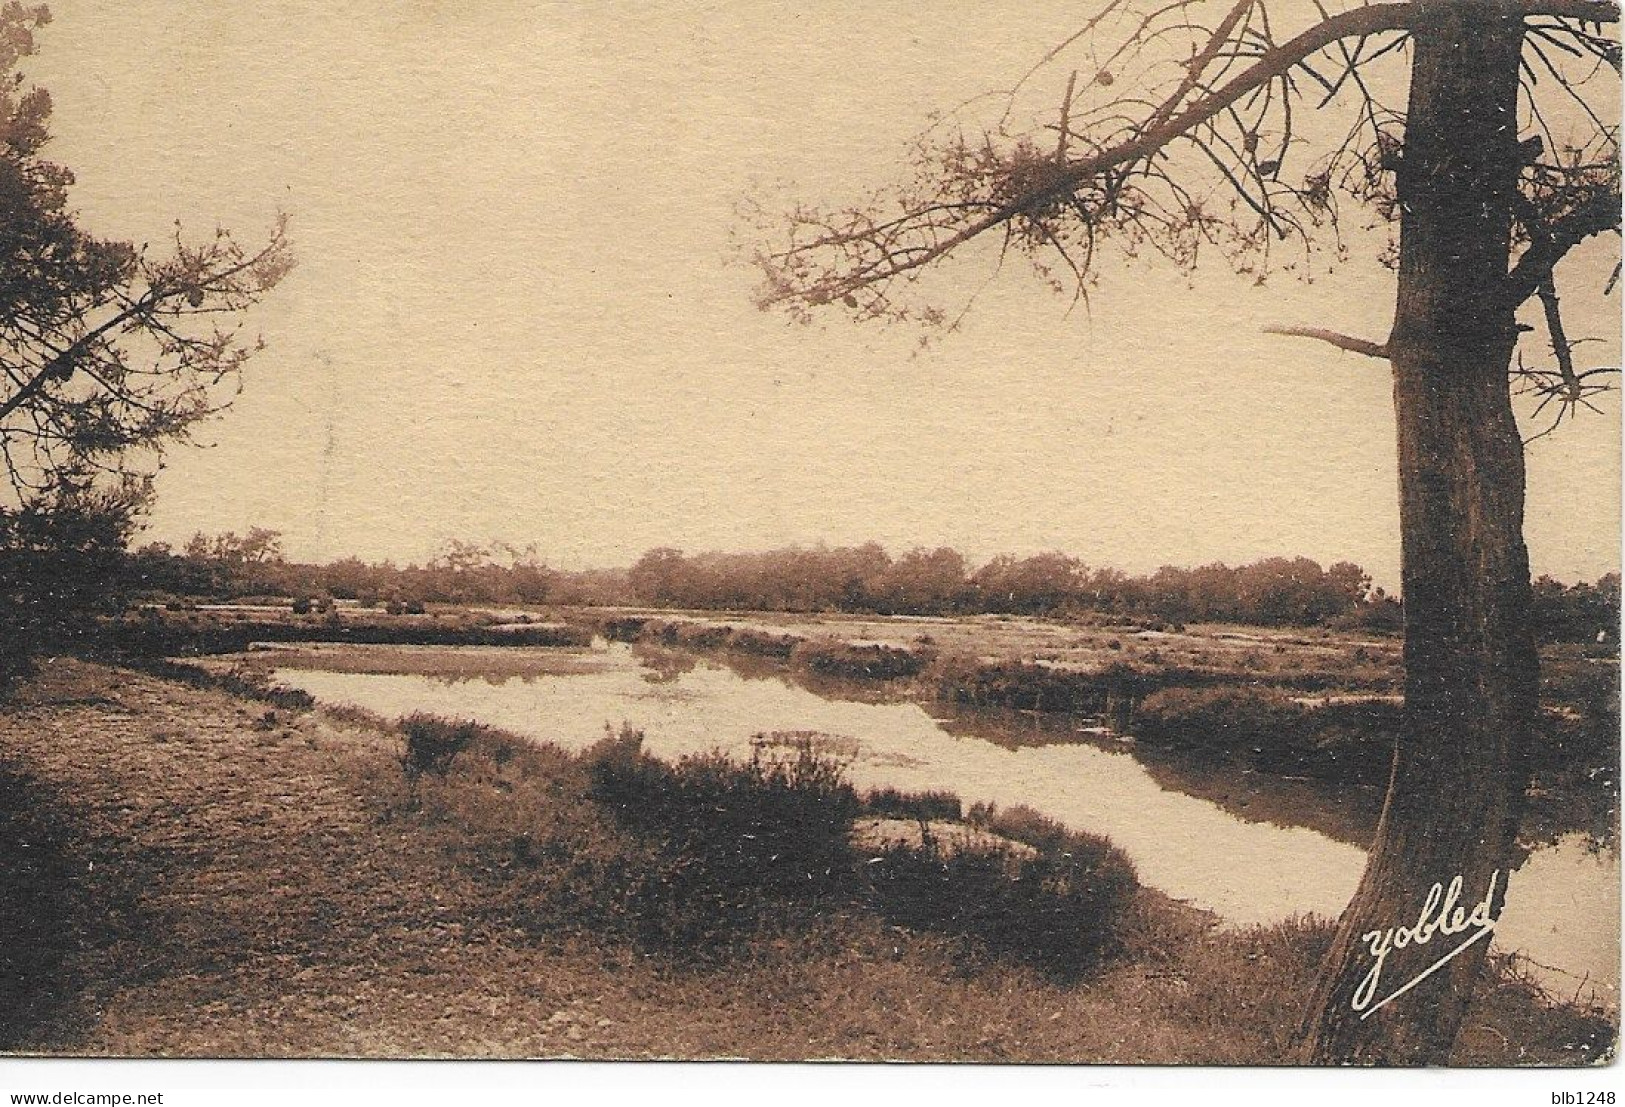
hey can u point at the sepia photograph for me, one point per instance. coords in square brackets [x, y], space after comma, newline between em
[1002, 533]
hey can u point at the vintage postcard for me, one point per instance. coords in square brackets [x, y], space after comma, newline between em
[1048, 534]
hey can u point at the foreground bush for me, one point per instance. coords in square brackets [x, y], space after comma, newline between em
[707, 859]
[1058, 906]
[729, 838]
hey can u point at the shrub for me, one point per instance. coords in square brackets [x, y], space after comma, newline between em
[731, 841]
[867, 661]
[663, 631]
[433, 743]
[1579, 731]
[529, 634]
[1021, 823]
[1059, 911]
[1341, 743]
[248, 681]
[1028, 686]
[624, 629]
[702, 860]
[1353, 742]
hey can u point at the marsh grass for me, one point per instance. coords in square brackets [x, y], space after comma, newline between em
[728, 837]
[1057, 910]
[1263, 728]
[764, 643]
[705, 858]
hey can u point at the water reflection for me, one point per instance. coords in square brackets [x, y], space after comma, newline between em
[1179, 826]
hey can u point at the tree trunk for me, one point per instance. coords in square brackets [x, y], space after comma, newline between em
[1471, 670]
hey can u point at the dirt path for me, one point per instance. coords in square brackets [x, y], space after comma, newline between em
[190, 874]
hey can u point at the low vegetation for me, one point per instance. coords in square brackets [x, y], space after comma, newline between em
[859, 660]
[702, 860]
[245, 681]
[748, 870]
[924, 806]
[724, 844]
[1264, 728]
[1320, 707]
[1056, 905]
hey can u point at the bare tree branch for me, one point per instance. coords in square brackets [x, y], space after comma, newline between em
[1123, 149]
[1561, 346]
[1063, 180]
[1341, 341]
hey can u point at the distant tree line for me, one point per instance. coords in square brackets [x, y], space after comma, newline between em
[1577, 612]
[233, 567]
[1275, 591]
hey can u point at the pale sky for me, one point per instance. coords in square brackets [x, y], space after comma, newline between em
[518, 312]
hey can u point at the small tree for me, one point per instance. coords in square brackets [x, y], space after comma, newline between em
[108, 351]
[1182, 130]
